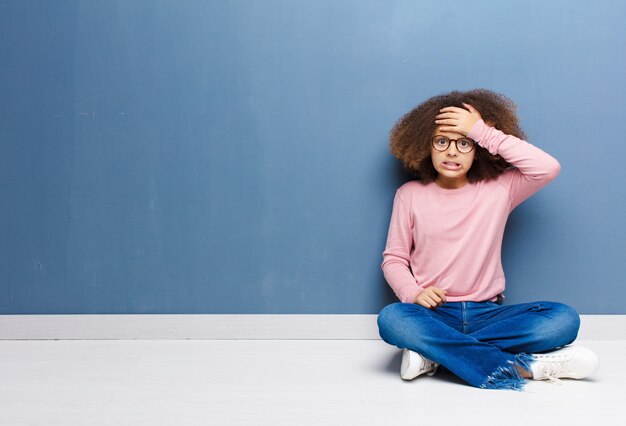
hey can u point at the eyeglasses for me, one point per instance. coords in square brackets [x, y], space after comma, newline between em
[463, 145]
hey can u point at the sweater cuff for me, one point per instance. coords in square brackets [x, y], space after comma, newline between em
[410, 298]
[477, 130]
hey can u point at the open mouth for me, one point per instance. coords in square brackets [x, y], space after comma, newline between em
[451, 165]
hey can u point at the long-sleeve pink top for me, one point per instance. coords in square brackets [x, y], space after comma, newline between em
[452, 238]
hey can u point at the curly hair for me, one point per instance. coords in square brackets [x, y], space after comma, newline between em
[411, 136]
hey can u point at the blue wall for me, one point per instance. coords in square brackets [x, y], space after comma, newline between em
[232, 156]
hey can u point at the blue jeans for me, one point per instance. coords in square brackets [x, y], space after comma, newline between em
[480, 342]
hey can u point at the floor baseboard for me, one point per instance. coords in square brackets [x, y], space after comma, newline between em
[227, 327]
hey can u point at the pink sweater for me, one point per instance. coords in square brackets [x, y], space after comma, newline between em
[452, 238]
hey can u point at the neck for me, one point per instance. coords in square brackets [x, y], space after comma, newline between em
[451, 183]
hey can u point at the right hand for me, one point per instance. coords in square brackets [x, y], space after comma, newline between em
[432, 297]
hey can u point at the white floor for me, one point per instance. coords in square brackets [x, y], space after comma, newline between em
[278, 382]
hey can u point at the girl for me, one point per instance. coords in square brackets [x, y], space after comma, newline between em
[442, 257]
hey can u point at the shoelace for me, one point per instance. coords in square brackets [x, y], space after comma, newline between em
[435, 365]
[429, 367]
[553, 366]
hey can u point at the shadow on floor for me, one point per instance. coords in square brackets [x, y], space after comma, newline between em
[442, 374]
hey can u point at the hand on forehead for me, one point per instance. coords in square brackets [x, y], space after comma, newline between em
[448, 134]
[455, 120]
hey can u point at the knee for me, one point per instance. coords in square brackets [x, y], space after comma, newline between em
[564, 323]
[388, 315]
[392, 320]
[571, 322]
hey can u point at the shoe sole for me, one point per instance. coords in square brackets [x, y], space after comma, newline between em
[406, 361]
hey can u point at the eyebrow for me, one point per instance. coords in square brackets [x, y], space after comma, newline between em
[452, 133]
[462, 137]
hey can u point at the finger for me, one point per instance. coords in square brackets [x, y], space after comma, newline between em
[441, 293]
[435, 298]
[424, 303]
[450, 119]
[453, 109]
[429, 301]
[446, 121]
[471, 108]
[447, 115]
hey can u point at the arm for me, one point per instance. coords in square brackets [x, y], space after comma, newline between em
[397, 253]
[533, 167]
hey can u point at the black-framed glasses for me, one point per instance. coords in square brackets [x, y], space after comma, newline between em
[463, 145]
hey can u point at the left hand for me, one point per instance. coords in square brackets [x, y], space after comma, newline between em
[457, 120]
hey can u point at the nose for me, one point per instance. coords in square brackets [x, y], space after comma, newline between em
[452, 149]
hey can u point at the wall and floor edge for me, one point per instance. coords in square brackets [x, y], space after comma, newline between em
[233, 326]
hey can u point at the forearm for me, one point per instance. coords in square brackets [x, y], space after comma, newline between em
[397, 254]
[531, 161]
[400, 278]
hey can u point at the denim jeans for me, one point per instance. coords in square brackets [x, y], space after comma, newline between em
[480, 342]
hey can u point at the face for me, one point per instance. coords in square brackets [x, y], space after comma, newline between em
[451, 165]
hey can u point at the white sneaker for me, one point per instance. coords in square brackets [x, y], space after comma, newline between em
[414, 364]
[573, 362]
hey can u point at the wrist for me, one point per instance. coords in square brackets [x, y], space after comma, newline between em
[416, 294]
[476, 130]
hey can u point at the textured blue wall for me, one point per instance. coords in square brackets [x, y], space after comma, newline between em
[232, 156]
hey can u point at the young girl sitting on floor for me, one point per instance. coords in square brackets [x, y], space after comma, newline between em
[442, 257]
